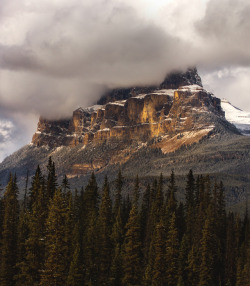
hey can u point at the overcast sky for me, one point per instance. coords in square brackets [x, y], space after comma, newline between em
[57, 55]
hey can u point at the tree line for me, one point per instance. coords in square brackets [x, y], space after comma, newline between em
[58, 237]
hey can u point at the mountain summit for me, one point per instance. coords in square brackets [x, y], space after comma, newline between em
[179, 108]
[142, 130]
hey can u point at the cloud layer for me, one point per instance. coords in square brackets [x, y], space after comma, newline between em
[57, 55]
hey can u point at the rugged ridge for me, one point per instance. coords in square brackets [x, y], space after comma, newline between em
[146, 131]
[157, 113]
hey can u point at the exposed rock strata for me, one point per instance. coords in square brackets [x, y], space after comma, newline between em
[141, 118]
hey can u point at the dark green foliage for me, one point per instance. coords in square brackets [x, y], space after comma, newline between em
[118, 191]
[29, 268]
[56, 239]
[117, 238]
[56, 247]
[65, 184]
[9, 234]
[132, 250]
[160, 261]
[104, 239]
[51, 180]
[172, 253]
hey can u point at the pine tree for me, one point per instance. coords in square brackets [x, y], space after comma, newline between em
[51, 180]
[65, 184]
[190, 206]
[144, 221]
[75, 276]
[55, 268]
[159, 268]
[36, 184]
[171, 203]
[132, 251]
[183, 261]
[9, 234]
[153, 218]
[22, 237]
[243, 263]
[69, 225]
[118, 190]
[231, 253]
[145, 208]
[90, 200]
[117, 237]
[193, 268]
[172, 253]
[31, 265]
[88, 222]
[158, 203]
[208, 255]
[91, 252]
[136, 193]
[105, 224]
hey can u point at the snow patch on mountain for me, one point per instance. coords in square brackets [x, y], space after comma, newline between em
[238, 117]
[6, 130]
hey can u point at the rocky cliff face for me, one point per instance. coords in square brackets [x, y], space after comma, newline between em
[178, 112]
[146, 131]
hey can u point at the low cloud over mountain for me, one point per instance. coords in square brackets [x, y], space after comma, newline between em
[58, 55]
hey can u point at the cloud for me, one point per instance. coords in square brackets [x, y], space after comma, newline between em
[70, 51]
[224, 33]
[230, 83]
[57, 55]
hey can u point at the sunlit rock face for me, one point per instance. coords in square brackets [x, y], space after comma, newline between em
[178, 106]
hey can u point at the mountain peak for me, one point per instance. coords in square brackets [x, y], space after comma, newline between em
[173, 80]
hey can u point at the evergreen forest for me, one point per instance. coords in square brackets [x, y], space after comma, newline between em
[58, 236]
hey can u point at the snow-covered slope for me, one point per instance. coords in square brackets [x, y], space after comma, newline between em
[6, 130]
[240, 118]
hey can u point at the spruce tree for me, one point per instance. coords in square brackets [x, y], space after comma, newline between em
[160, 265]
[51, 180]
[172, 253]
[231, 252]
[9, 234]
[208, 255]
[22, 237]
[32, 263]
[55, 267]
[75, 275]
[190, 206]
[105, 225]
[65, 184]
[36, 184]
[118, 190]
[117, 238]
[132, 251]
[136, 193]
[89, 237]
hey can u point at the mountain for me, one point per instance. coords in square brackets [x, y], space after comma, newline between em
[142, 130]
[6, 134]
[241, 119]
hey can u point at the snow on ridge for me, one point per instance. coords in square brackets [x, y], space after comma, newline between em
[120, 103]
[234, 114]
[141, 96]
[169, 92]
[238, 117]
[192, 88]
[93, 107]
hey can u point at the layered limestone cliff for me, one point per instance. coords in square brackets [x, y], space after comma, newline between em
[160, 115]
[177, 112]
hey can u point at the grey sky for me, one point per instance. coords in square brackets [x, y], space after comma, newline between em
[56, 55]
